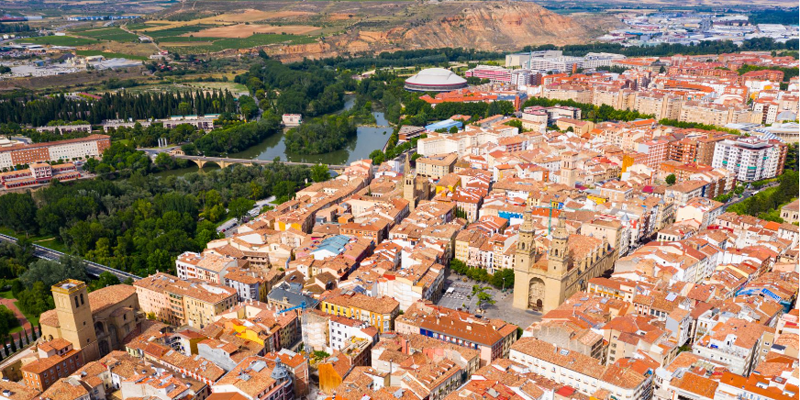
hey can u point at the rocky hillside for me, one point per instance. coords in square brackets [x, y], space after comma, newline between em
[375, 26]
[495, 26]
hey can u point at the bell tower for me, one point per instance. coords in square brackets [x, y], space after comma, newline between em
[75, 317]
[558, 256]
[524, 258]
[409, 185]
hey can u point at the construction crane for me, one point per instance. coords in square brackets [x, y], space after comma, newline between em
[553, 205]
[302, 306]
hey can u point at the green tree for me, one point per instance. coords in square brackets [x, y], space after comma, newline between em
[503, 279]
[377, 156]
[105, 279]
[8, 321]
[670, 179]
[484, 298]
[212, 198]
[320, 173]
[184, 108]
[163, 160]
[239, 207]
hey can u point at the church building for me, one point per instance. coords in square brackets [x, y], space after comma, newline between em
[543, 281]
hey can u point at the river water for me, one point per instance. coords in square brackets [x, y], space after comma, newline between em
[368, 139]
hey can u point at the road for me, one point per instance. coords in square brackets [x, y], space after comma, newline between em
[750, 193]
[124, 27]
[229, 226]
[92, 268]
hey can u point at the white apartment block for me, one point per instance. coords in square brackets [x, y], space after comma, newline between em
[750, 159]
[341, 329]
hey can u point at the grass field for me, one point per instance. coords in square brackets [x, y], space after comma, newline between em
[260, 39]
[113, 33]
[44, 241]
[58, 41]
[109, 54]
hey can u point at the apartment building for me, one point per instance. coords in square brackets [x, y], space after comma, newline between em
[585, 374]
[179, 302]
[736, 343]
[436, 166]
[65, 128]
[380, 312]
[492, 337]
[209, 267]
[750, 158]
[56, 359]
[253, 379]
[252, 283]
[71, 149]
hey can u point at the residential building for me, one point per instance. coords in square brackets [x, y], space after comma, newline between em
[492, 337]
[175, 301]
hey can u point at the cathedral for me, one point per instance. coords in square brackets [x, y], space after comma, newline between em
[543, 281]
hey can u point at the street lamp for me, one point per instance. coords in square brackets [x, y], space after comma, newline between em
[504, 284]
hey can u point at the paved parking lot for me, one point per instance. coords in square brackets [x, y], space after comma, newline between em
[459, 297]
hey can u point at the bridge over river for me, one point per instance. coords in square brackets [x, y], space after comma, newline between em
[225, 162]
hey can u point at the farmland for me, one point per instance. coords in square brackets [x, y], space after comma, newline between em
[217, 44]
[114, 34]
[59, 40]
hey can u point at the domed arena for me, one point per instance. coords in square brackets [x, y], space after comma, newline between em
[435, 80]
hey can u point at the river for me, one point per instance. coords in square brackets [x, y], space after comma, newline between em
[368, 139]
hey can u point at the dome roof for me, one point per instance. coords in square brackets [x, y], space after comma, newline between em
[436, 76]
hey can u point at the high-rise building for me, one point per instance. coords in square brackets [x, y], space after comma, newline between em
[751, 158]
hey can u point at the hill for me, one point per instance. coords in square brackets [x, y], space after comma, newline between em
[344, 27]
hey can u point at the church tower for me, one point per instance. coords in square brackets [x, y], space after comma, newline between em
[409, 185]
[75, 317]
[524, 258]
[558, 255]
[568, 173]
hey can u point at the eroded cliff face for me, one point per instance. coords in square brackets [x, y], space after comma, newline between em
[496, 26]
[483, 25]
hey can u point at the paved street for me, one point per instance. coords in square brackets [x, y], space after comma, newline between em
[502, 309]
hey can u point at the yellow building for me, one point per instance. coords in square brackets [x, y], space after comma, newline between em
[379, 312]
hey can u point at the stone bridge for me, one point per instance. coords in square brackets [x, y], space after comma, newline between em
[224, 162]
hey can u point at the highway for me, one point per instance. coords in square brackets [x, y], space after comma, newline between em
[92, 268]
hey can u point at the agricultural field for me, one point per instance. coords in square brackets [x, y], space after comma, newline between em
[113, 34]
[218, 44]
[158, 31]
[58, 40]
[223, 32]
